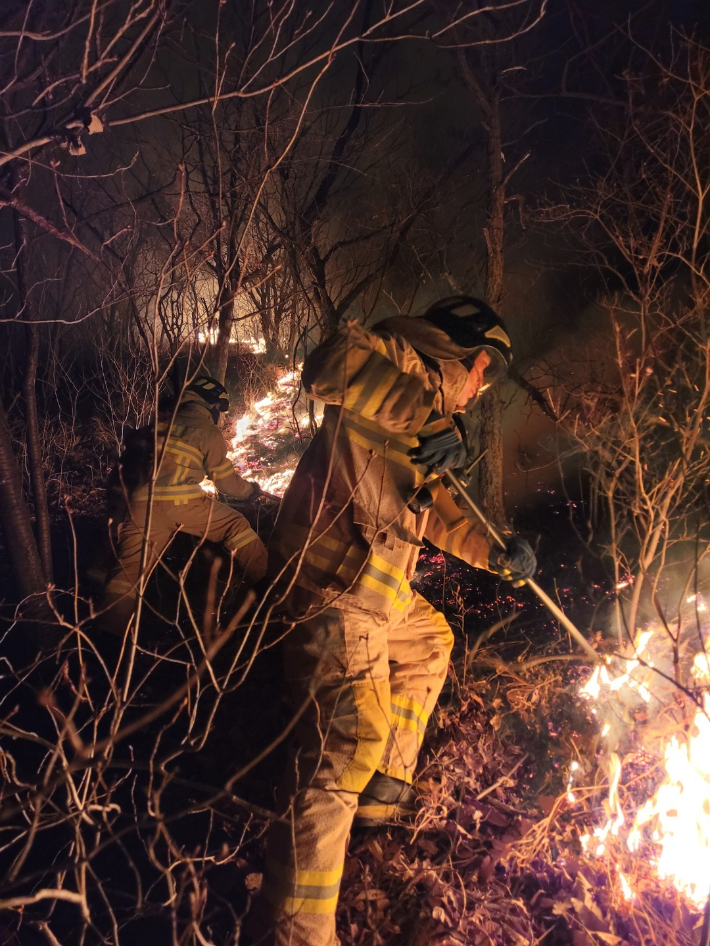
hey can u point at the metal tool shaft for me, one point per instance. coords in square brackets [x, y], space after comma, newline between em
[531, 583]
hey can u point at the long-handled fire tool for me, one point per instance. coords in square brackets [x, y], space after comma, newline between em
[531, 583]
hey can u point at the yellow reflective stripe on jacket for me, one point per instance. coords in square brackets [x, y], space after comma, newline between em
[178, 494]
[408, 714]
[372, 437]
[223, 470]
[377, 574]
[372, 384]
[184, 453]
[303, 891]
[348, 559]
[328, 555]
[346, 562]
[386, 579]
[453, 541]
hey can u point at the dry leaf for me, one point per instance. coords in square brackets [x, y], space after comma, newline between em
[95, 126]
[375, 849]
[253, 881]
[546, 803]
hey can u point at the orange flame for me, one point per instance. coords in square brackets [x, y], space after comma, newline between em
[672, 827]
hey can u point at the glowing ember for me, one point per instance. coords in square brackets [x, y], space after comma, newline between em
[672, 829]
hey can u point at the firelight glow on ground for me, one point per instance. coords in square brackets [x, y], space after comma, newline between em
[670, 830]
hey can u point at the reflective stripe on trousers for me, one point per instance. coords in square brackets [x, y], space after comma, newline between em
[374, 686]
[204, 518]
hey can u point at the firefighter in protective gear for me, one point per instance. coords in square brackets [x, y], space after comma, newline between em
[187, 448]
[366, 656]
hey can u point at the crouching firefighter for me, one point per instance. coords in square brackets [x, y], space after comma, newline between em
[367, 656]
[185, 450]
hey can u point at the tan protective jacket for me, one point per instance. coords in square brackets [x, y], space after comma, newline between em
[344, 529]
[195, 448]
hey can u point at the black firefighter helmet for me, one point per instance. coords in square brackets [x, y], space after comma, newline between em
[211, 391]
[475, 327]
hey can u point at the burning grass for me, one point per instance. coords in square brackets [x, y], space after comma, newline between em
[497, 854]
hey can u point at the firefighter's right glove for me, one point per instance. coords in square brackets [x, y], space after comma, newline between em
[515, 562]
[440, 450]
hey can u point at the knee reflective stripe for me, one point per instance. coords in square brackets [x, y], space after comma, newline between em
[239, 541]
[302, 891]
[120, 587]
[377, 811]
[373, 729]
[408, 714]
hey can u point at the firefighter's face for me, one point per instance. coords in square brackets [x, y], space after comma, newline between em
[475, 383]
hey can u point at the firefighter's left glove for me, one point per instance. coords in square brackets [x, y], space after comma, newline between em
[262, 497]
[440, 450]
[516, 562]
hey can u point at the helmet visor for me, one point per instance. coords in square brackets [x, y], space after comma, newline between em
[493, 371]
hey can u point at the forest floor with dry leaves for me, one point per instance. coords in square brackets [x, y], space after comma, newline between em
[493, 857]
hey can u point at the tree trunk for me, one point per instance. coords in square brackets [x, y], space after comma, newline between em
[224, 334]
[229, 285]
[20, 544]
[490, 469]
[490, 475]
[29, 392]
[34, 452]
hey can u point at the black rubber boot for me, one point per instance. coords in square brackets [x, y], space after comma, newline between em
[384, 800]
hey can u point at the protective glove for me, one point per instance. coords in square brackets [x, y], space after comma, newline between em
[262, 497]
[441, 450]
[515, 562]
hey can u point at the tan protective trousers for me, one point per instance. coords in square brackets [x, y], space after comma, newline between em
[369, 686]
[205, 518]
